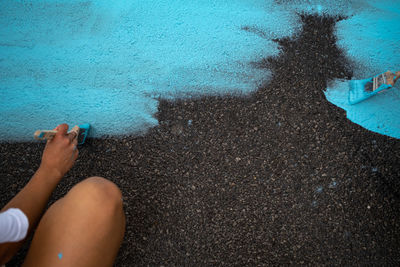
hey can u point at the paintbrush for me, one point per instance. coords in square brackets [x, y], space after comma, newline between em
[81, 133]
[360, 90]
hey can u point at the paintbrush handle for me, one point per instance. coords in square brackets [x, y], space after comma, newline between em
[49, 134]
[44, 134]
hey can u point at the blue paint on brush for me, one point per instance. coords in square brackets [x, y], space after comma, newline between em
[106, 62]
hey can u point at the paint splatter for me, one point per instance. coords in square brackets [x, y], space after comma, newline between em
[314, 203]
[319, 189]
[333, 184]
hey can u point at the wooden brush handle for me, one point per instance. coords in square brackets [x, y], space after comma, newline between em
[49, 134]
[44, 134]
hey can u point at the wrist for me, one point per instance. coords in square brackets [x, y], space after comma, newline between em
[50, 172]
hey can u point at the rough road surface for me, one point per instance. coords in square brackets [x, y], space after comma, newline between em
[278, 177]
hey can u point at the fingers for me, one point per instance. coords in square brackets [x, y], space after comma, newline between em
[72, 136]
[62, 132]
[62, 129]
[75, 142]
[75, 150]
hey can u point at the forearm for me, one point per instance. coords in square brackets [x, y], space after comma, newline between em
[32, 200]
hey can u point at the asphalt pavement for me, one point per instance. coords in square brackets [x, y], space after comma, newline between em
[277, 177]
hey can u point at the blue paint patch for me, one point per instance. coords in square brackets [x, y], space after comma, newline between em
[319, 189]
[314, 203]
[370, 37]
[333, 184]
[190, 122]
[380, 114]
[374, 169]
[60, 255]
[106, 62]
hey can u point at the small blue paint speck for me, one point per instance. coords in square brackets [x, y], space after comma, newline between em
[314, 203]
[60, 256]
[319, 189]
[319, 9]
[374, 169]
[279, 124]
[190, 122]
[333, 184]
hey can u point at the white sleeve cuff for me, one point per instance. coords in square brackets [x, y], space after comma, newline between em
[13, 225]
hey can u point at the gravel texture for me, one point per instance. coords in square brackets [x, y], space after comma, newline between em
[275, 178]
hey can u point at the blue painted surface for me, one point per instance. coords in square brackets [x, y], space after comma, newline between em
[106, 62]
[371, 38]
[380, 113]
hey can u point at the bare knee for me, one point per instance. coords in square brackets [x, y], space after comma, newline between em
[98, 193]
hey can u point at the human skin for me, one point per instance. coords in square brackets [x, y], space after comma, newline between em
[58, 157]
[91, 200]
[392, 77]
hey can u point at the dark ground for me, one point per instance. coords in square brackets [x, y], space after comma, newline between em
[279, 177]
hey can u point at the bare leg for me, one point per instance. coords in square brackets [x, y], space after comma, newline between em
[85, 228]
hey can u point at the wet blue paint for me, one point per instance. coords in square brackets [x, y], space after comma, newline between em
[106, 62]
[60, 255]
[380, 113]
[371, 38]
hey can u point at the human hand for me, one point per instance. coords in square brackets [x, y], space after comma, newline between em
[60, 153]
[397, 74]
